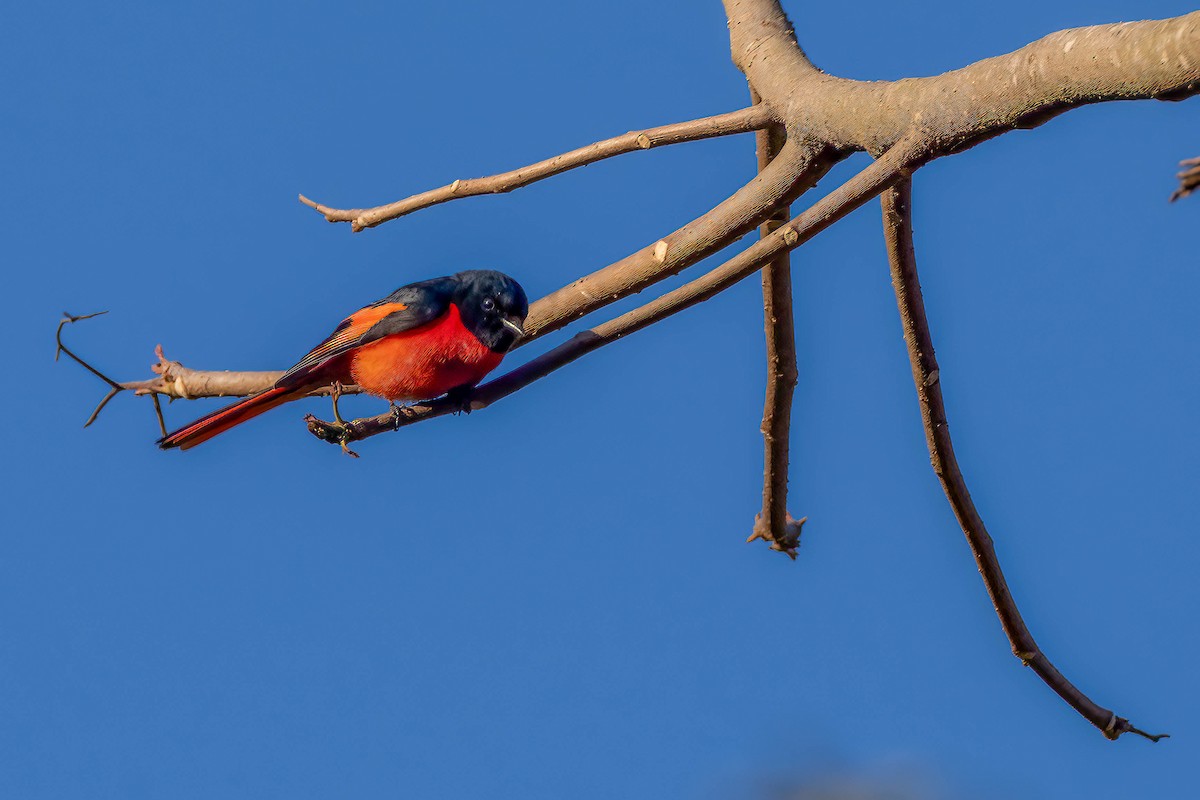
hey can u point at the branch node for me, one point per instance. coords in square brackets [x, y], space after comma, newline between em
[1026, 656]
[643, 141]
[788, 541]
[660, 250]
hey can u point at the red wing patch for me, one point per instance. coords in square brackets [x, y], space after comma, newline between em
[344, 337]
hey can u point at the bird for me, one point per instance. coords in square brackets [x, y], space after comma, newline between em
[426, 339]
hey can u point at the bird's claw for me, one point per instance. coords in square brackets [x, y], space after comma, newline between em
[460, 399]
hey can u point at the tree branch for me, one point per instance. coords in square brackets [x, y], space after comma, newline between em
[897, 224]
[175, 381]
[890, 167]
[774, 524]
[799, 166]
[743, 121]
[1023, 89]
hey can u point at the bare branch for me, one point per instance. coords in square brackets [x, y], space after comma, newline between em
[797, 168]
[1023, 89]
[774, 524]
[892, 166]
[175, 381]
[743, 121]
[178, 382]
[897, 223]
[115, 388]
[1189, 178]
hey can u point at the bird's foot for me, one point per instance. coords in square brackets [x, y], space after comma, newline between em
[460, 399]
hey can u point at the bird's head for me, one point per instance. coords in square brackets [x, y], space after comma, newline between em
[493, 307]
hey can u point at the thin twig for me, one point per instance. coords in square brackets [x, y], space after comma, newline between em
[743, 121]
[69, 319]
[897, 224]
[173, 380]
[774, 523]
[1189, 178]
[864, 186]
[114, 387]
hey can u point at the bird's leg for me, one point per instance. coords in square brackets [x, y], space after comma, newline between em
[336, 394]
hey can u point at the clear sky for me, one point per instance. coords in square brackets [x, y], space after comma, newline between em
[552, 598]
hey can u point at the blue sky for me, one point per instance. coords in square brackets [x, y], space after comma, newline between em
[553, 598]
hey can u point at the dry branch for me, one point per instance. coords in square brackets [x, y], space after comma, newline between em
[797, 168]
[1158, 59]
[773, 523]
[897, 225]
[743, 121]
[175, 381]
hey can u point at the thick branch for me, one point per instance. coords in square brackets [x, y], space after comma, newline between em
[897, 223]
[892, 166]
[797, 168]
[743, 121]
[1023, 89]
[774, 523]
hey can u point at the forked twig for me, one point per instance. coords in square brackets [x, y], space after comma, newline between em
[175, 381]
[897, 224]
[114, 387]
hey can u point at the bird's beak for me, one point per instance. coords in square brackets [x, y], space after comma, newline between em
[513, 326]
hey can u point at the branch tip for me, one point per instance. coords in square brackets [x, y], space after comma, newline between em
[1189, 179]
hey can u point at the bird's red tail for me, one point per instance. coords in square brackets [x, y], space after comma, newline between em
[223, 419]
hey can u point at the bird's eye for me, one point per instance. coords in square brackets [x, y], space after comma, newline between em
[488, 304]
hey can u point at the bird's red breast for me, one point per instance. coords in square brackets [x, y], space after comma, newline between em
[423, 362]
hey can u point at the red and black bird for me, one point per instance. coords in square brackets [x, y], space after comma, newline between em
[421, 341]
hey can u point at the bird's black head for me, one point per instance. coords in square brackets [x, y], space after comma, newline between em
[493, 307]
